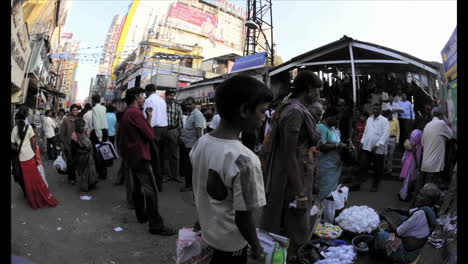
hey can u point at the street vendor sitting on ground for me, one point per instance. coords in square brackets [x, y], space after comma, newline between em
[407, 236]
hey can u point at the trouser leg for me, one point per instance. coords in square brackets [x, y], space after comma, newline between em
[69, 160]
[389, 157]
[99, 162]
[403, 129]
[129, 183]
[364, 159]
[420, 181]
[378, 168]
[144, 184]
[172, 147]
[187, 167]
[49, 149]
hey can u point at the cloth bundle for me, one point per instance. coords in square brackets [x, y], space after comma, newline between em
[328, 230]
[358, 219]
[338, 255]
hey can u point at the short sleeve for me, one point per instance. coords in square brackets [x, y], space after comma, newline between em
[293, 122]
[199, 120]
[247, 186]
[14, 135]
[323, 130]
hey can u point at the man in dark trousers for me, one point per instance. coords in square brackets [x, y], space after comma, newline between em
[171, 141]
[134, 142]
[99, 134]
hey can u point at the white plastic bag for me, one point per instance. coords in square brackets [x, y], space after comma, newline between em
[191, 248]
[336, 200]
[60, 163]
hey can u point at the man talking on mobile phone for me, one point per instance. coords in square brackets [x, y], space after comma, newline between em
[136, 135]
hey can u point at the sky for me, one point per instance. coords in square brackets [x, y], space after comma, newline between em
[419, 28]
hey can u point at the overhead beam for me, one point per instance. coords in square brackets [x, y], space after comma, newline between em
[349, 61]
[311, 57]
[394, 55]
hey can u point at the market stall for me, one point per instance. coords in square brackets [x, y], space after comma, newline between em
[352, 69]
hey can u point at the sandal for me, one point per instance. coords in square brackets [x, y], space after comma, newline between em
[164, 231]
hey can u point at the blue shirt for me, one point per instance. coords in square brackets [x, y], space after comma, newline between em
[408, 111]
[328, 136]
[111, 123]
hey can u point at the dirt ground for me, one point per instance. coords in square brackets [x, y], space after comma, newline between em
[82, 232]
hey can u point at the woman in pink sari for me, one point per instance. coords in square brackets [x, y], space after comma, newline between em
[410, 165]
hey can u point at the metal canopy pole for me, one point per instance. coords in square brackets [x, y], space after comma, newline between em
[353, 71]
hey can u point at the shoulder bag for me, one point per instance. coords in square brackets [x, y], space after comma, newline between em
[15, 162]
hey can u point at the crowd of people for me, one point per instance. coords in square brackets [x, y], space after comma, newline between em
[254, 163]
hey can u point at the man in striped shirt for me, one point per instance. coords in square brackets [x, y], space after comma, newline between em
[174, 121]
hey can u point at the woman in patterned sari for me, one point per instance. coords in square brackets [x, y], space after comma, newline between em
[82, 153]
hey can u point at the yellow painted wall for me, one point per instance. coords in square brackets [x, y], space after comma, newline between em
[124, 33]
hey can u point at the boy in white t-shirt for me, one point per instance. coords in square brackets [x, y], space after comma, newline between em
[227, 176]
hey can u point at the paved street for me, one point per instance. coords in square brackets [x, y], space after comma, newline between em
[87, 233]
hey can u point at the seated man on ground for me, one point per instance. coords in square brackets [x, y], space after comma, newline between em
[408, 234]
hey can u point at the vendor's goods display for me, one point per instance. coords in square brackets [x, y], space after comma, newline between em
[358, 219]
[338, 255]
[328, 230]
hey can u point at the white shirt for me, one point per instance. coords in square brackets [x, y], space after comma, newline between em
[26, 152]
[435, 134]
[239, 170]
[376, 133]
[49, 127]
[415, 226]
[159, 110]
[99, 120]
[215, 121]
[88, 118]
[392, 106]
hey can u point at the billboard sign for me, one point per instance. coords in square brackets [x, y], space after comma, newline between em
[228, 7]
[449, 57]
[193, 20]
[250, 62]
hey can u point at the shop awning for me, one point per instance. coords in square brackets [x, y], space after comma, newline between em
[362, 54]
[48, 89]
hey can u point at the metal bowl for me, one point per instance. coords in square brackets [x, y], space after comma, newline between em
[362, 238]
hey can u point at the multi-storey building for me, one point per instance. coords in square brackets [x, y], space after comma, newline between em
[110, 45]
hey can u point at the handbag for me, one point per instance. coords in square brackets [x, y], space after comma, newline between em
[15, 162]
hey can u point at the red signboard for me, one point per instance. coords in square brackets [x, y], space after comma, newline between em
[67, 35]
[192, 15]
[184, 84]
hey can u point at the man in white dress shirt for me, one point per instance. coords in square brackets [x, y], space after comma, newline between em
[99, 133]
[434, 138]
[159, 125]
[49, 129]
[374, 146]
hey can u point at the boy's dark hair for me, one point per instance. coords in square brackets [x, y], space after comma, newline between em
[47, 112]
[130, 97]
[303, 80]
[387, 113]
[150, 88]
[237, 90]
[331, 111]
[88, 107]
[96, 98]
[111, 109]
[190, 99]
[62, 111]
[74, 106]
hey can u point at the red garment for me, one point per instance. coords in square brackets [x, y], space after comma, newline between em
[37, 192]
[360, 127]
[135, 136]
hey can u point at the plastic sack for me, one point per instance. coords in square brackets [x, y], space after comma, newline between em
[191, 248]
[60, 163]
[274, 246]
[107, 151]
[336, 200]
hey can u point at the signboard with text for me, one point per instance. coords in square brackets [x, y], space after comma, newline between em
[449, 57]
[192, 19]
[250, 62]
